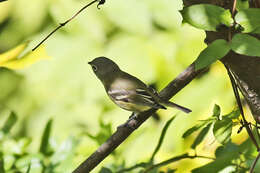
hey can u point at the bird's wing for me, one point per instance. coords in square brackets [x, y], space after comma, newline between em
[138, 96]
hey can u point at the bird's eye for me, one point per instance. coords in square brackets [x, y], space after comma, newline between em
[94, 67]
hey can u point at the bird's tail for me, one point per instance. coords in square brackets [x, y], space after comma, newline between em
[174, 105]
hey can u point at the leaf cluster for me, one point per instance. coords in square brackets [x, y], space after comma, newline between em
[211, 17]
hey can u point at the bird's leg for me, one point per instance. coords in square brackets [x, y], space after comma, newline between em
[133, 116]
[126, 124]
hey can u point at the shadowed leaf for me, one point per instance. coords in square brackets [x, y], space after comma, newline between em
[2, 170]
[222, 130]
[105, 170]
[28, 169]
[201, 136]
[224, 156]
[11, 120]
[246, 45]
[216, 111]
[249, 19]
[45, 138]
[215, 51]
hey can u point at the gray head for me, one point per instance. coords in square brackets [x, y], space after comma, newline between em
[103, 67]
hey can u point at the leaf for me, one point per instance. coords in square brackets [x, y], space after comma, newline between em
[242, 5]
[193, 129]
[105, 170]
[222, 130]
[13, 53]
[29, 168]
[65, 154]
[216, 50]
[11, 120]
[206, 17]
[28, 59]
[216, 111]
[9, 83]
[246, 45]
[249, 19]
[201, 136]
[224, 157]
[44, 147]
[159, 144]
[171, 170]
[104, 132]
[230, 147]
[2, 169]
[233, 115]
[35, 160]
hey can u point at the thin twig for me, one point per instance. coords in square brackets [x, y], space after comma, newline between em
[139, 165]
[64, 23]
[174, 159]
[244, 122]
[254, 164]
[257, 131]
[234, 8]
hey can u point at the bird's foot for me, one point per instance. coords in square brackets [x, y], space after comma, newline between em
[133, 116]
[128, 123]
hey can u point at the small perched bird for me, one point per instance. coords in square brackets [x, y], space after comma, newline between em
[127, 91]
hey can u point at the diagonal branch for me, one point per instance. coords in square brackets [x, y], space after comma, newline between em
[122, 133]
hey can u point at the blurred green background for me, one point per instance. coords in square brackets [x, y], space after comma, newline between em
[146, 38]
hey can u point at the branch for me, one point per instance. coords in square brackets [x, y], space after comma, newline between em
[122, 133]
[67, 21]
[254, 164]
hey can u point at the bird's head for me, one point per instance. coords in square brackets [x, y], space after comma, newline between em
[104, 67]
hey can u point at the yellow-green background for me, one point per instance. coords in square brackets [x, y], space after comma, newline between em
[145, 37]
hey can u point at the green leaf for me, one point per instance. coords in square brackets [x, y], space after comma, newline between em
[246, 45]
[193, 129]
[11, 120]
[201, 136]
[206, 17]
[105, 170]
[171, 170]
[242, 5]
[225, 155]
[216, 111]
[34, 160]
[249, 19]
[44, 147]
[65, 154]
[9, 83]
[233, 115]
[2, 169]
[9, 161]
[221, 151]
[216, 50]
[104, 132]
[165, 128]
[29, 168]
[222, 130]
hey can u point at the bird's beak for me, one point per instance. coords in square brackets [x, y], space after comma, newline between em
[89, 62]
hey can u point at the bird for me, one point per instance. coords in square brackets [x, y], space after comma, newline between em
[127, 91]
